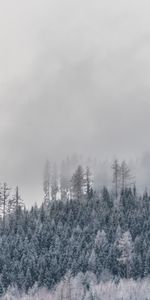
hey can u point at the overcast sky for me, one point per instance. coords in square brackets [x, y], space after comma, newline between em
[74, 77]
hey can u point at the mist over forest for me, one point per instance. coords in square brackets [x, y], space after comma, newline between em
[74, 150]
[74, 79]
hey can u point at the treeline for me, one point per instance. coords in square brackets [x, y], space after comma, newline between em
[62, 187]
[69, 181]
[73, 180]
[103, 234]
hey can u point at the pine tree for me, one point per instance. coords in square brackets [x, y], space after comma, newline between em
[54, 183]
[101, 251]
[125, 245]
[28, 280]
[65, 180]
[69, 286]
[92, 261]
[125, 176]
[46, 183]
[116, 176]
[16, 203]
[1, 288]
[77, 183]
[88, 184]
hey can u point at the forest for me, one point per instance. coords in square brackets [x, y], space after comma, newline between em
[104, 232]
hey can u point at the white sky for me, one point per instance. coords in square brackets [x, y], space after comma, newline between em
[74, 77]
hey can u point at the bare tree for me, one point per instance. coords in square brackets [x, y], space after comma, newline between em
[15, 203]
[4, 200]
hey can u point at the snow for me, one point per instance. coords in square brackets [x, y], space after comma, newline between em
[75, 289]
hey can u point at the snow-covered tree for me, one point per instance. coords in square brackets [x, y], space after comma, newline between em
[116, 176]
[46, 182]
[126, 178]
[78, 183]
[125, 245]
[54, 183]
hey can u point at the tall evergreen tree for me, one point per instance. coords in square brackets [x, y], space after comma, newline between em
[46, 183]
[78, 183]
[116, 176]
[125, 246]
[126, 178]
[54, 184]
[88, 184]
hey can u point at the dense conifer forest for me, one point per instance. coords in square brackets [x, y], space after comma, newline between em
[106, 233]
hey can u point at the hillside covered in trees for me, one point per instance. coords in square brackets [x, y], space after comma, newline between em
[105, 233]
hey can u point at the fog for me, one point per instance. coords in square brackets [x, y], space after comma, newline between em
[74, 78]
